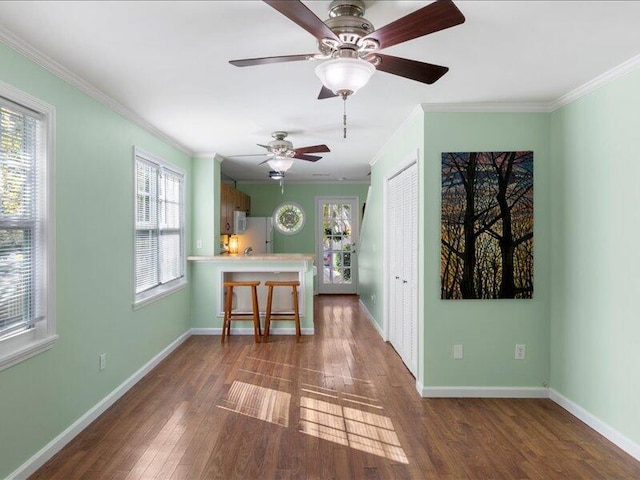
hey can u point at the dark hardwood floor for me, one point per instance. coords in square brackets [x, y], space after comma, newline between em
[337, 405]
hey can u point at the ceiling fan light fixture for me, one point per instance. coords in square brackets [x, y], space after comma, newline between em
[275, 175]
[345, 76]
[280, 164]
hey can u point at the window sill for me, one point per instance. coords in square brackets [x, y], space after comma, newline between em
[157, 293]
[22, 347]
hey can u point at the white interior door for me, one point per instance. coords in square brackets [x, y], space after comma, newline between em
[337, 237]
[402, 253]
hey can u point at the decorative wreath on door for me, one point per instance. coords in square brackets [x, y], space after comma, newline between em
[289, 218]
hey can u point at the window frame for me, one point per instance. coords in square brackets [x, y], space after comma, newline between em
[163, 289]
[24, 344]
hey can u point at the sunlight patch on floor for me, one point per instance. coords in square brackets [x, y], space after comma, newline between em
[364, 431]
[261, 403]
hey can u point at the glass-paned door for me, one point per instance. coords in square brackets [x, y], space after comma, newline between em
[338, 220]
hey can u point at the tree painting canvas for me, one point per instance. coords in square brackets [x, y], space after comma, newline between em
[487, 225]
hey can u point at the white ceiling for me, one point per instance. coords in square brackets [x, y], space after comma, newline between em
[168, 63]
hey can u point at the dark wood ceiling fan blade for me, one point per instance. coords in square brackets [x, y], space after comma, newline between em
[311, 149]
[309, 158]
[411, 69]
[299, 13]
[434, 17]
[249, 62]
[326, 93]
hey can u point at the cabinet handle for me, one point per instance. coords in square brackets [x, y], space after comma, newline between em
[404, 281]
[228, 226]
[397, 278]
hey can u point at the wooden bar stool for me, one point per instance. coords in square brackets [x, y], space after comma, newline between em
[294, 284]
[229, 315]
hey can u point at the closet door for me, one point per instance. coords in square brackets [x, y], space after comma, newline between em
[392, 226]
[410, 269]
[402, 210]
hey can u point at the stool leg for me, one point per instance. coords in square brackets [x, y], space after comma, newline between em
[296, 313]
[267, 317]
[256, 315]
[226, 324]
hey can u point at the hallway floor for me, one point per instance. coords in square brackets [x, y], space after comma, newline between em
[336, 405]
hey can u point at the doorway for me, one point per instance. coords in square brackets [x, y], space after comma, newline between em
[337, 227]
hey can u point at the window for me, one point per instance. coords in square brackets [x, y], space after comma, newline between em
[27, 316]
[159, 232]
[288, 218]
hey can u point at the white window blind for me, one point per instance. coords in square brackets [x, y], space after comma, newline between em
[22, 193]
[160, 233]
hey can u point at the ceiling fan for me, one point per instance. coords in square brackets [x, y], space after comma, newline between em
[281, 152]
[350, 45]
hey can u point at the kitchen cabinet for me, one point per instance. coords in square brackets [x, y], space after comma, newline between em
[230, 201]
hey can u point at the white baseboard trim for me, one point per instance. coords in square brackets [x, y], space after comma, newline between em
[598, 425]
[55, 445]
[249, 331]
[484, 392]
[371, 319]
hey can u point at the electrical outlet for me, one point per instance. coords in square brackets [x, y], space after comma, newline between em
[198, 243]
[521, 351]
[457, 352]
[373, 298]
[103, 361]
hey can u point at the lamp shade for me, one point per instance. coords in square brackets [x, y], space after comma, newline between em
[233, 244]
[280, 164]
[346, 75]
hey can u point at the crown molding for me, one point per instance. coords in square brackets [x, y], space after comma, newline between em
[216, 156]
[208, 156]
[601, 80]
[416, 111]
[30, 52]
[487, 107]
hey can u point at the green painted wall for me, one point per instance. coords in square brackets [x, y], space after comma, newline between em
[206, 206]
[404, 144]
[265, 197]
[595, 225]
[488, 329]
[42, 396]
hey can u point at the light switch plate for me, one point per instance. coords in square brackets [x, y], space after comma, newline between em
[457, 352]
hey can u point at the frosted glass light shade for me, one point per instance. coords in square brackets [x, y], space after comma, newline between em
[280, 164]
[345, 74]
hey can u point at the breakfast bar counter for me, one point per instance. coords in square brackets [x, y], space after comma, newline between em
[255, 257]
[209, 272]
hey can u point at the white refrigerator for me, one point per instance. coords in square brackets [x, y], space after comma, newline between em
[258, 235]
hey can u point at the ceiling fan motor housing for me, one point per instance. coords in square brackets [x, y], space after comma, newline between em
[281, 147]
[347, 22]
